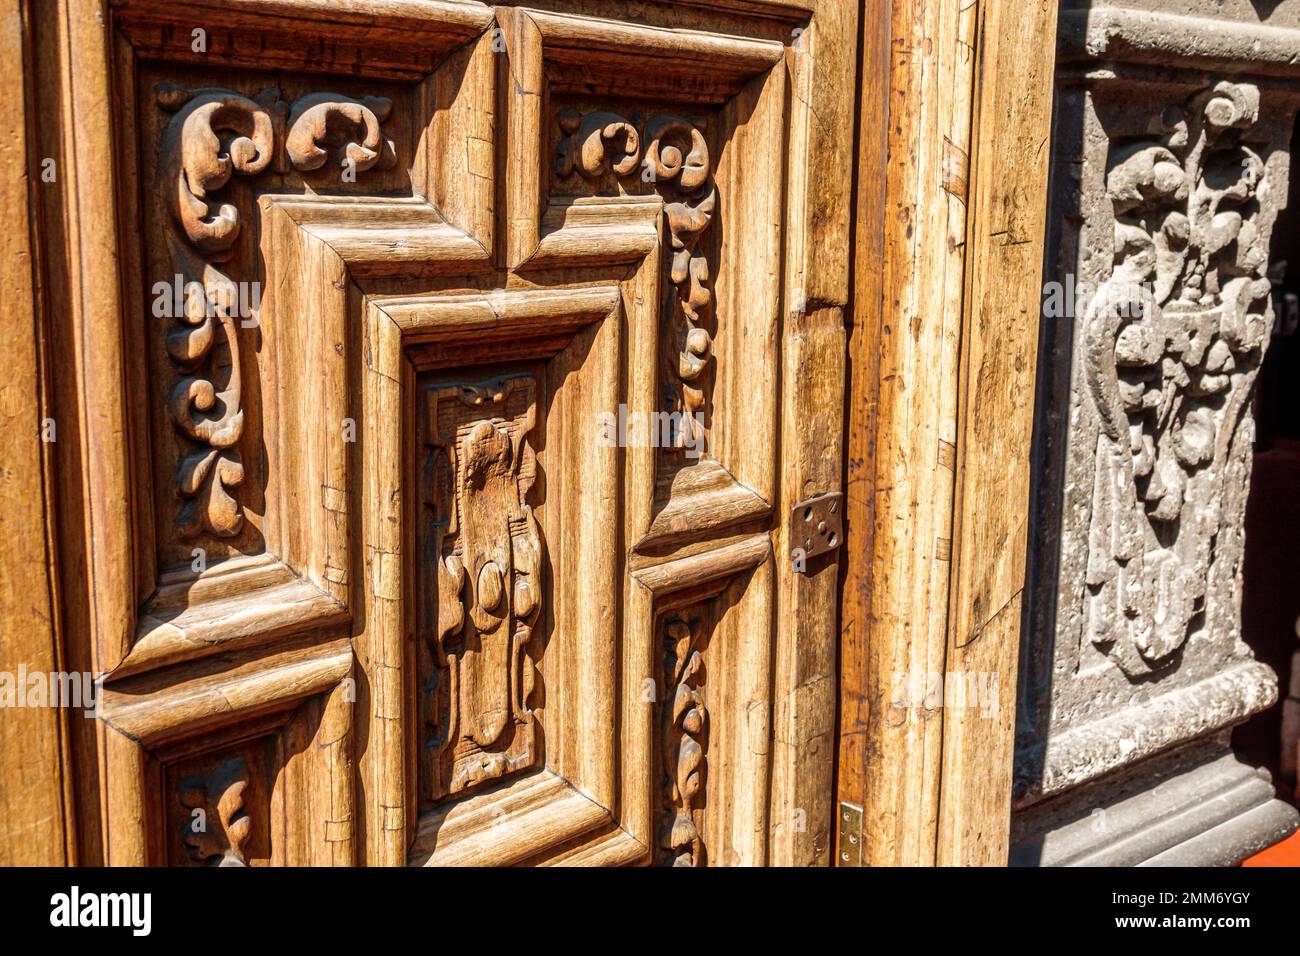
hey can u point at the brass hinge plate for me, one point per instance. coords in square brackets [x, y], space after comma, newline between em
[850, 843]
[816, 526]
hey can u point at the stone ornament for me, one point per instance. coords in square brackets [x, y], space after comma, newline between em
[1172, 343]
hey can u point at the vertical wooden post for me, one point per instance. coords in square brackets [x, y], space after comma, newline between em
[1000, 317]
[909, 256]
[951, 198]
[33, 739]
[802, 816]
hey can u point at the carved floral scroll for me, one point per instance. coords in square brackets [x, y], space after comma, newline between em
[1173, 341]
[214, 135]
[683, 717]
[217, 826]
[488, 552]
[675, 159]
[322, 122]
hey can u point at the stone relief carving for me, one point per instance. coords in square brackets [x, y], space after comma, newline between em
[1172, 343]
[216, 134]
[488, 552]
[676, 161]
[217, 825]
[683, 717]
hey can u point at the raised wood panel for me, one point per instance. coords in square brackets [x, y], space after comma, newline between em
[372, 584]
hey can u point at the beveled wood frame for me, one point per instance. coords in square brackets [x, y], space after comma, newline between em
[260, 638]
[404, 336]
[86, 52]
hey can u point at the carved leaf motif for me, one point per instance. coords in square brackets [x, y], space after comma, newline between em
[676, 161]
[594, 142]
[200, 155]
[214, 135]
[217, 834]
[330, 120]
[676, 152]
[1173, 340]
[682, 723]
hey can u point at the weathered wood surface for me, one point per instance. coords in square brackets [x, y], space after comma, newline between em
[942, 354]
[338, 519]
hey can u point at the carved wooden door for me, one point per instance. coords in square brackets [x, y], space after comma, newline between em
[474, 359]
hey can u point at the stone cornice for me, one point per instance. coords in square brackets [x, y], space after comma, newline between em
[1118, 34]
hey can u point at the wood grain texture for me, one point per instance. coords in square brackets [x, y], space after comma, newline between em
[812, 346]
[942, 358]
[273, 528]
[905, 370]
[861, 406]
[999, 357]
[37, 826]
[77, 251]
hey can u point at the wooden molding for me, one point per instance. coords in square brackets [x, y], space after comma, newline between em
[247, 513]
[943, 357]
[37, 827]
[1002, 308]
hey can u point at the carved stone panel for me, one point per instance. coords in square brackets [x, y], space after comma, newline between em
[1171, 345]
[1169, 169]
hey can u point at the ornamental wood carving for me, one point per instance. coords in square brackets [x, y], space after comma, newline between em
[214, 135]
[196, 165]
[487, 560]
[675, 160]
[1173, 343]
[390, 559]
[683, 725]
[217, 826]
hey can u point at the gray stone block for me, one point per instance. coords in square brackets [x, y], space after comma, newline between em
[1172, 127]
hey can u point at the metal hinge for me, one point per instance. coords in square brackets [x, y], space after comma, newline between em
[850, 842]
[816, 527]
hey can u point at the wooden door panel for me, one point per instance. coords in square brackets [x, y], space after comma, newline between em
[468, 349]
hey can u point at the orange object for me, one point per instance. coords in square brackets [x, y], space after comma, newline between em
[1285, 853]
